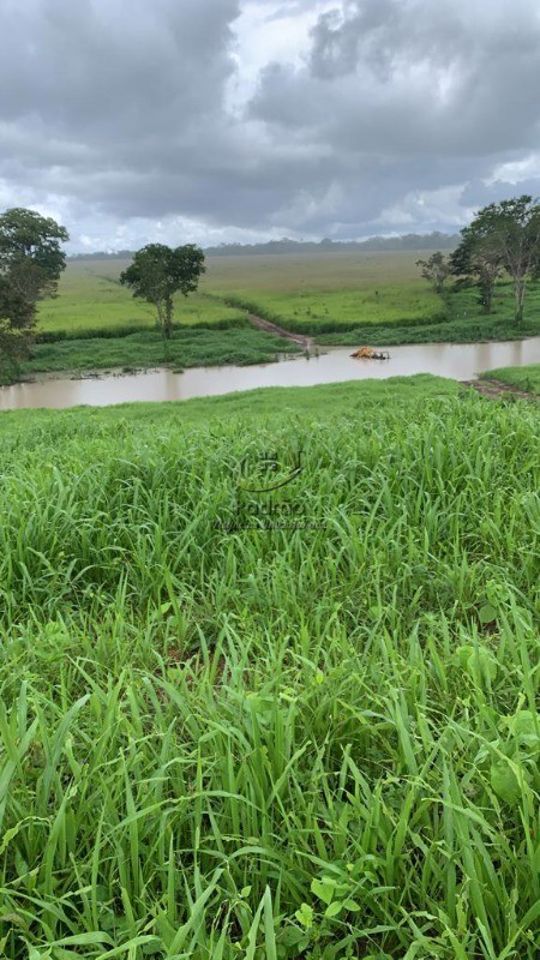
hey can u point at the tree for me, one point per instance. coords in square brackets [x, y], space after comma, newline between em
[16, 323]
[31, 262]
[478, 258]
[436, 269]
[508, 234]
[158, 272]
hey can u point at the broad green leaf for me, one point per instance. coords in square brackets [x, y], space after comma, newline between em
[305, 916]
[352, 906]
[477, 661]
[334, 909]
[505, 782]
[324, 890]
[487, 614]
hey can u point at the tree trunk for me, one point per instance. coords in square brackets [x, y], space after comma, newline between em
[487, 294]
[159, 321]
[168, 318]
[520, 300]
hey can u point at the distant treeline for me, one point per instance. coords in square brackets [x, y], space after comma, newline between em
[103, 255]
[410, 241]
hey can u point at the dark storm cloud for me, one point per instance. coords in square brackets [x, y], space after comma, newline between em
[114, 101]
[396, 117]
[114, 66]
[412, 95]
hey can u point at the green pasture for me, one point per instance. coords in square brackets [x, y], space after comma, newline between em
[327, 311]
[320, 294]
[297, 725]
[290, 274]
[325, 295]
[345, 299]
[306, 293]
[525, 378]
[186, 348]
[90, 297]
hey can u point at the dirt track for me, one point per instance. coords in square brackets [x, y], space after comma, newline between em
[269, 327]
[491, 389]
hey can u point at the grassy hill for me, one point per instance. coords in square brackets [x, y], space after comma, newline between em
[292, 724]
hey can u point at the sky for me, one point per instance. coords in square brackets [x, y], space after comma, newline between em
[217, 121]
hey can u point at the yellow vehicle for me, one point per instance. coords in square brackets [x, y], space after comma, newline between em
[369, 353]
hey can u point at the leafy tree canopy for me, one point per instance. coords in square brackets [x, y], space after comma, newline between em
[502, 236]
[31, 261]
[27, 236]
[436, 269]
[478, 258]
[158, 272]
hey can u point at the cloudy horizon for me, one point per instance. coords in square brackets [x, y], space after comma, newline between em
[215, 121]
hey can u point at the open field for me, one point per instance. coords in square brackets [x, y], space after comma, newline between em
[345, 287]
[339, 298]
[377, 299]
[318, 739]
[91, 298]
[317, 294]
[301, 273]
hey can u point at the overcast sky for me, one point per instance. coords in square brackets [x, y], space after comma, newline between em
[217, 120]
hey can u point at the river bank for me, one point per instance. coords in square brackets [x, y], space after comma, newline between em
[147, 349]
[459, 362]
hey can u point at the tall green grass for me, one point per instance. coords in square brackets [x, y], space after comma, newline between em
[318, 740]
[524, 378]
[186, 348]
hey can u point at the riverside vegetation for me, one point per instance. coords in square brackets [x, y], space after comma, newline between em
[315, 739]
[337, 298]
[344, 299]
[526, 378]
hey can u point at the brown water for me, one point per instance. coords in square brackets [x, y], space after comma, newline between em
[456, 361]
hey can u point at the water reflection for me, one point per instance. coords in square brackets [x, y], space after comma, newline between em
[457, 361]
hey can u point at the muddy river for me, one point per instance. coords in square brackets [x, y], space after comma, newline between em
[457, 361]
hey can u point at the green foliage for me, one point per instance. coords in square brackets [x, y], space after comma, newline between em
[477, 662]
[263, 743]
[27, 236]
[464, 321]
[338, 298]
[92, 302]
[186, 348]
[16, 324]
[526, 378]
[515, 764]
[327, 293]
[505, 235]
[31, 261]
[158, 272]
[436, 269]
[336, 312]
[479, 259]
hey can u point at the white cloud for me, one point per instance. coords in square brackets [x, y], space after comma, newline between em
[516, 171]
[266, 32]
[424, 209]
